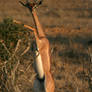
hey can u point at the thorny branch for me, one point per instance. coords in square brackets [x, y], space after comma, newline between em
[25, 51]
[10, 54]
[13, 71]
[1, 41]
[13, 58]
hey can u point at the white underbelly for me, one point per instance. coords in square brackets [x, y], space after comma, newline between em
[39, 66]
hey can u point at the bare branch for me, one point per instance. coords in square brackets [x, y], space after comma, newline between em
[90, 54]
[32, 78]
[18, 62]
[17, 88]
[18, 44]
[17, 47]
[13, 71]
[77, 90]
[1, 41]
[29, 66]
[25, 51]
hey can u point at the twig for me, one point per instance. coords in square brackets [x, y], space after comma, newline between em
[28, 66]
[77, 90]
[90, 54]
[13, 72]
[12, 56]
[17, 47]
[5, 86]
[17, 88]
[18, 62]
[32, 77]
[1, 41]
[25, 51]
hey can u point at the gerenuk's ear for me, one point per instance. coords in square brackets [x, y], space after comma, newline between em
[27, 2]
[22, 3]
[29, 5]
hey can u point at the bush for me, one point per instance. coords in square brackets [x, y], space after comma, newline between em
[15, 41]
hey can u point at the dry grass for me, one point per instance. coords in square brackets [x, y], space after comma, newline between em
[71, 61]
[70, 65]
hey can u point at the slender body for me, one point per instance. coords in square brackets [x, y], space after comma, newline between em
[42, 42]
[43, 81]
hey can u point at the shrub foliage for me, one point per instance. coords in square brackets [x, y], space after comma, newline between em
[15, 41]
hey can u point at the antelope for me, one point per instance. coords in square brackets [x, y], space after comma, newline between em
[44, 81]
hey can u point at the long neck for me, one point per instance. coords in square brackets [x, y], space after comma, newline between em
[37, 23]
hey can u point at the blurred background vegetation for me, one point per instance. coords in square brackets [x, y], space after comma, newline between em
[73, 14]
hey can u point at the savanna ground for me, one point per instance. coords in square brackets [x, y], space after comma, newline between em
[68, 29]
[70, 65]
